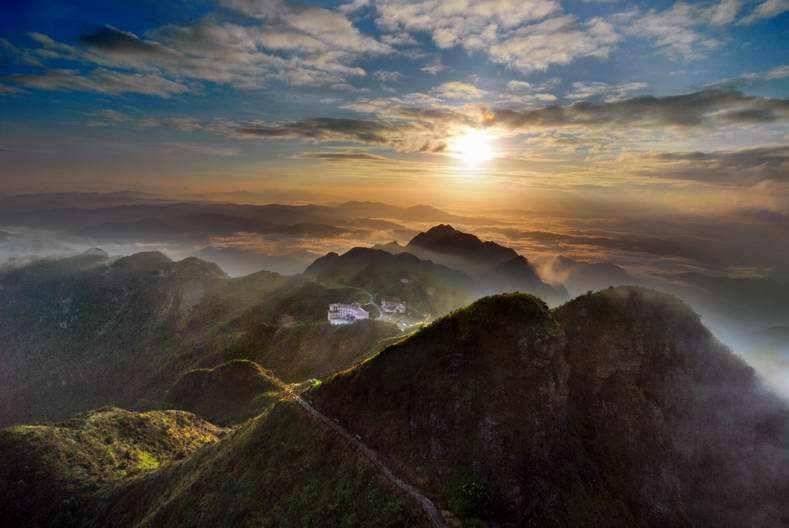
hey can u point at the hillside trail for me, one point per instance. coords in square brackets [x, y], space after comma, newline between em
[427, 505]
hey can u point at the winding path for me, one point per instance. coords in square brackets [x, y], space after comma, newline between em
[427, 505]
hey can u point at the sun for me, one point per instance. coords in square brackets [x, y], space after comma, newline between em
[473, 147]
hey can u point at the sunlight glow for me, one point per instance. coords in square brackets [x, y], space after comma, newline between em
[473, 147]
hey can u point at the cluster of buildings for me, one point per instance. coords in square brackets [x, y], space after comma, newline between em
[343, 314]
[393, 306]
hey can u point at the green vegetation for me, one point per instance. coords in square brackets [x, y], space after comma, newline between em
[469, 496]
[282, 469]
[503, 412]
[301, 351]
[227, 394]
[73, 462]
[587, 415]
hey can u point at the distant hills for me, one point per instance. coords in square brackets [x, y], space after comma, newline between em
[90, 330]
[495, 268]
[616, 409]
[426, 286]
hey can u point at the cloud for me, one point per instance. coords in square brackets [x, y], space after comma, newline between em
[101, 80]
[767, 9]
[387, 76]
[753, 78]
[608, 92]
[434, 67]
[681, 31]
[559, 40]
[345, 156]
[458, 90]
[7, 90]
[462, 22]
[296, 45]
[400, 39]
[404, 129]
[307, 28]
[687, 249]
[704, 108]
[525, 36]
[111, 40]
[743, 167]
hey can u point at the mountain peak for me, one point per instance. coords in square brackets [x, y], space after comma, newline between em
[95, 252]
[442, 229]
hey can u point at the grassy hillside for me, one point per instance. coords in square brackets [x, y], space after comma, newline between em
[51, 474]
[310, 350]
[227, 394]
[282, 469]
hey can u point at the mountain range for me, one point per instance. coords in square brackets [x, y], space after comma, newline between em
[618, 409]
[143, 391]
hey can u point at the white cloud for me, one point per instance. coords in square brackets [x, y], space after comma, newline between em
[526, 36]
[558, 40]
[767, 9]
[608, 92]
[682, 31]
[458, 90]
[297, 45]
[101, 80]
[387, 76]
[518, 86]
[434, 67]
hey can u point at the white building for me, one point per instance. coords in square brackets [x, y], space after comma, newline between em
[342, 314]
[393, 306]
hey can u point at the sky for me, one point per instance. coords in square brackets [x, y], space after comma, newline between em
[663, 108]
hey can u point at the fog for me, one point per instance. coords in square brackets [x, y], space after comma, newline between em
[736, 282]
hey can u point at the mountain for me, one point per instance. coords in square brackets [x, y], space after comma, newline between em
[227, 394]
[580, 277]
[282, 469]
[495, 267]
[52, 473]
[617, 409]
[425, 286]
[238, 262]
[463, 249]
[89, 331]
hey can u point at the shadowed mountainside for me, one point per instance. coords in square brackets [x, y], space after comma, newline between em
[495, 268]
[227, 394]
[616, 409]
[425, 286]
[89, 331]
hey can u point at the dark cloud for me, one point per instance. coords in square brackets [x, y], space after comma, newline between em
[325, 128]
[685, 111]
[746, 166]
[345, 156]
[398, 135]
[630, 243]
[112, 40]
